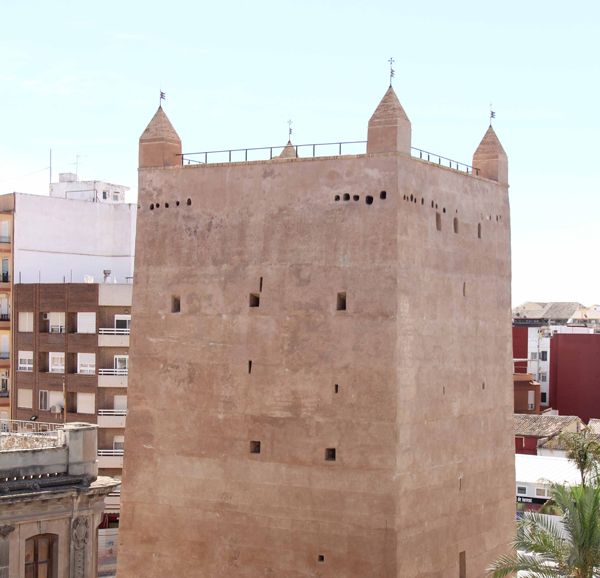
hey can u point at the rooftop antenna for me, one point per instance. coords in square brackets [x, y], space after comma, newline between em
[492, 114]
[290, 130]
[163, 96]
[392, 71]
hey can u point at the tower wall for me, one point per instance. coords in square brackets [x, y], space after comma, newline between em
[421, 416]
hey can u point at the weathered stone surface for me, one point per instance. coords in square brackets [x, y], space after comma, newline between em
[410, 384]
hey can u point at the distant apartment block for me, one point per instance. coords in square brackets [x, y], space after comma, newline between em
[71, 354]
[83, 231]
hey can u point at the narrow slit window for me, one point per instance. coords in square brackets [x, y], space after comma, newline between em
[455, 224]
[255, 447]
[479, 230]
[330, 454]
[464, 289]
[260, 285]
[462, 565]
[336, 388]
[249, 366]
[438, 221]
[254, 300]
[341, 301]
[175, 304]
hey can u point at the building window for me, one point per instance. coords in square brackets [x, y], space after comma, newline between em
[41, 556]
[544, 397]
[121, 363]
[86, 403]
[25, 321]
[119, 443]
[43, 401]
[522, 490]
[25, 398]
[86, 322]
[86, 363]
[533, 355]
[123, 322]
[3, 387]
[25, 361]
[56, 322]
[543, 376]
[56, 362]
[115, 197]
[543, 355]
[105, 195]
[540, 492]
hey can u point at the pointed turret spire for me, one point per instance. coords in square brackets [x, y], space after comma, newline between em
[159, 144]
[389, 127]
[490, 158]
[289, 151]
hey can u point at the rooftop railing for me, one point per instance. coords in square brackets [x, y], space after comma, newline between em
[28, 435]
[313, 150]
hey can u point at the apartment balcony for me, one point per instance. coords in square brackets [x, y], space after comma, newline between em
[5, 244]
[113, 337]
[110, 459]
[112, 378]
[5, 321]
[112, 502]
[112, 417]
[4, 281]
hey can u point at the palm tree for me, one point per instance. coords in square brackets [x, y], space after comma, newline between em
[583, 448]
[547, 549]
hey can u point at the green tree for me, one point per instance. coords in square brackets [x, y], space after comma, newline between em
[544, 548]
[583, 448]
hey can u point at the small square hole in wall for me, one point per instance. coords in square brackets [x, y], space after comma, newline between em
[175, 304]
[341, 301]
[254, 300]
[255, 447]
[383, 195]
[330, 454]
[321, 558]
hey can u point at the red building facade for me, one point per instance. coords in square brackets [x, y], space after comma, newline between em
[519, 335]
[575, 374]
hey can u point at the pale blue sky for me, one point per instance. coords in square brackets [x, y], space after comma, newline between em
[83, 78]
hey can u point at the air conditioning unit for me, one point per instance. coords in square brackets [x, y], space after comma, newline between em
[56, 409]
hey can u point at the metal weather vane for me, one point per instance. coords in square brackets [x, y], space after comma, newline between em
[163, 96]
[492, 114]
[392, 71]
[290, 130]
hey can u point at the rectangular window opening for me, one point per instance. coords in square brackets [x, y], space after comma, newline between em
[175, 304]
[341, 301]
[260, 285]
[255, 447]
[330, 454]
[249, 366]
[336, 388]
[254, 300]
[321, 558]
[521, 490]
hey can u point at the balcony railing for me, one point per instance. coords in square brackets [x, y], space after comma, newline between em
[112, 412]
[4, 354]
[312, 150]
[109, 453]
[4, 239]
[112, 371]
[22, 426]
[4, 316]
[4, 278]
[113, 331]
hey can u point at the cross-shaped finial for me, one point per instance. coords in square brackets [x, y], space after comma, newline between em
[290, 130]
[392, 71]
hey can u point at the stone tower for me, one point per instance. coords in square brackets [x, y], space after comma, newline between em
[320, 365]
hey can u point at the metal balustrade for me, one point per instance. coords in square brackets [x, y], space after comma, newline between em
[113, 371]
[313, 150]
[113, 331]
[108, 453]
[112, 412]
